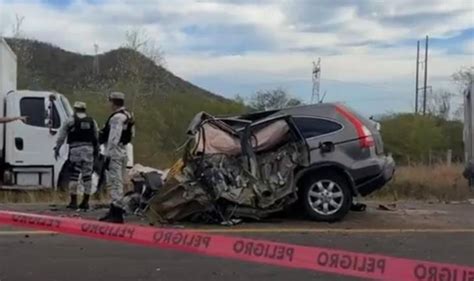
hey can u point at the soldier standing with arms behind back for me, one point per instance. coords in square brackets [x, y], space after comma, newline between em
[81, 133]
[116, 134]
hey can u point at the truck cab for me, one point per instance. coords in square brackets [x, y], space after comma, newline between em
[26, 147]
[28, 160]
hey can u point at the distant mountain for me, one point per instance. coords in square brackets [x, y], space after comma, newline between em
[64, 71]
[163, 103]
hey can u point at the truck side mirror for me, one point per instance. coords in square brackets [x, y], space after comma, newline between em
[50, 119]
[49, 124]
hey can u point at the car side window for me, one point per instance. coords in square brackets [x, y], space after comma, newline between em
[313, 127]
[35, 110]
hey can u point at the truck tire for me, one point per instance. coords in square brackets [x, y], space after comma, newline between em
[326, 197]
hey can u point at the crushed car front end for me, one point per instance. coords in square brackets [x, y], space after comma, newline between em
[232, 169]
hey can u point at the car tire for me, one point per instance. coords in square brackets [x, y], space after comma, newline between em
[326, 197]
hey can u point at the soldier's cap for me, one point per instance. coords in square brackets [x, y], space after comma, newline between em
[116, 96]
[80, 105]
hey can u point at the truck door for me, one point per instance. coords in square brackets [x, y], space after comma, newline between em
[29, 144]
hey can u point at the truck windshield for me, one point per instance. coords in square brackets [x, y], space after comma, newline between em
[67, 106]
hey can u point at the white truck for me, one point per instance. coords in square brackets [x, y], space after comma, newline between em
[26, 147]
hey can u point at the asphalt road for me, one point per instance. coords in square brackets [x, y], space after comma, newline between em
[443, 233]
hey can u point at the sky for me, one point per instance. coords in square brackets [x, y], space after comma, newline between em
[367, 47]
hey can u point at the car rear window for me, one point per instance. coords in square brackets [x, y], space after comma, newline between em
[313, 127]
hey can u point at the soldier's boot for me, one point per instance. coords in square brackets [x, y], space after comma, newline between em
[84, 206]
[115, 215]
[73, 203]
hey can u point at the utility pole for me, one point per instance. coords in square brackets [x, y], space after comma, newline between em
[425, 78]
[95, 63]
[469, 133]
[417, 75]
[426, 75]
[316, 77]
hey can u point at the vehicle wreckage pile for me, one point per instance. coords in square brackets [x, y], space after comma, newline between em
[258, 164]
[232, 169]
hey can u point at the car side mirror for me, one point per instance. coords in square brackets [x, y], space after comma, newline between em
[326, 146]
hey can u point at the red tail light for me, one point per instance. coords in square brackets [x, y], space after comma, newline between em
[366, 140]
[364, 135]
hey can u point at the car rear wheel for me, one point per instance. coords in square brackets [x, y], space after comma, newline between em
[326, 197]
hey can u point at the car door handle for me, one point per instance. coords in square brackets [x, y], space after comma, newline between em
[19, 143]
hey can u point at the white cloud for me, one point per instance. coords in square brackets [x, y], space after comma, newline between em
[292, 34]
[289, 24]
[469, 48]
[357, 65]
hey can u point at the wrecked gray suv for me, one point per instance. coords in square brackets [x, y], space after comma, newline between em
[318, 156]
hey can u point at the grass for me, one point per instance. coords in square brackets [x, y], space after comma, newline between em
[421, 182]
[14, 196]
[43, 196]
[418, 182]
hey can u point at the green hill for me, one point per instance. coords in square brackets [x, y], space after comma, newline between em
[163, 103]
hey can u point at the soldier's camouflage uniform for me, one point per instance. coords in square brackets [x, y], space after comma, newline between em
[81, 158]
[117, 153]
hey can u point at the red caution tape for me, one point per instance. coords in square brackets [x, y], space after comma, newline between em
[368, 266]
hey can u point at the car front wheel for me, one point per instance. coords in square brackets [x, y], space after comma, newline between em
[326, 197]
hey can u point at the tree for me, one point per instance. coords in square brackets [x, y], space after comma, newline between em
[138, 40]
[440, 104]
[272, 99]
[294, 102]
[463, 77]
[139, 84]
[21, 47]
[411, 137]
[239, 99]
[17, 32]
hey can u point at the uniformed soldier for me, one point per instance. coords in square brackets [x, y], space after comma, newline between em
[116, 134]
[81, 133]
